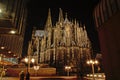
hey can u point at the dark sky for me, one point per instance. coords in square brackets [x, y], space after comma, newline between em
[76, 9]
[79, 9]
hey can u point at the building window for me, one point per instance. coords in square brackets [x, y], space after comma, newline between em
[100, 13]
[118, 3]
[101, 10]
[105, 11]
[105, 15]
[108, 7]
[113, 6]
[99, 21]
[95, 18]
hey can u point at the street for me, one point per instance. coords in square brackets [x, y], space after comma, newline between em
[44, 78]
[51, 78]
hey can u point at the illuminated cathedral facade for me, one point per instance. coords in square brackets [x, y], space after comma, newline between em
[65, 43]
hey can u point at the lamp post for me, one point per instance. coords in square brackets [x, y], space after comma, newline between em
[67, 68]
[36, 67]
[28, 60]
[92, 62]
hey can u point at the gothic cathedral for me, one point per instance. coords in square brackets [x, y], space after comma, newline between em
[65, 43]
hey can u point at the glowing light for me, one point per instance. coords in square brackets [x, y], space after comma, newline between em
[9, 51]
[12, 31]
[0, 11]
[88, 75]
[14, 55]
[36, 67]
[67, 67]
[26, 60]
[0, 58]
[32, 60]
[88, 62]
[2, 47]
[92, 62]
[99, 75]
[96, 61]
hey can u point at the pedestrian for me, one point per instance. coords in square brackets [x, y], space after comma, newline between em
[27, 76]
[22, 75]
[2, 73]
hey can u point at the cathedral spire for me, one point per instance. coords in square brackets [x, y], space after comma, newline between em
[61, 19]
[66, 18]
[80, 24]
[49, 21]
[75, 22]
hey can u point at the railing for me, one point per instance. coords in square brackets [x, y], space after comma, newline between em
[96, 76]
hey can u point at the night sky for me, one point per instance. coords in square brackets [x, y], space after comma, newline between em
[81, 10]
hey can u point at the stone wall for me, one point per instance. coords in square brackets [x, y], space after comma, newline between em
[14, 72]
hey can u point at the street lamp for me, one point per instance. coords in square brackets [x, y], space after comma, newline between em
[68, 69]
[28, 61]
[36, 67]
[92, 62]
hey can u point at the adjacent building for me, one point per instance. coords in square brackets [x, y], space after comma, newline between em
[107, 21]
[13, 14]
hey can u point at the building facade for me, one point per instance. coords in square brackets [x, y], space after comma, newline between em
[65, 43]
[106, 17]
[13, 14]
